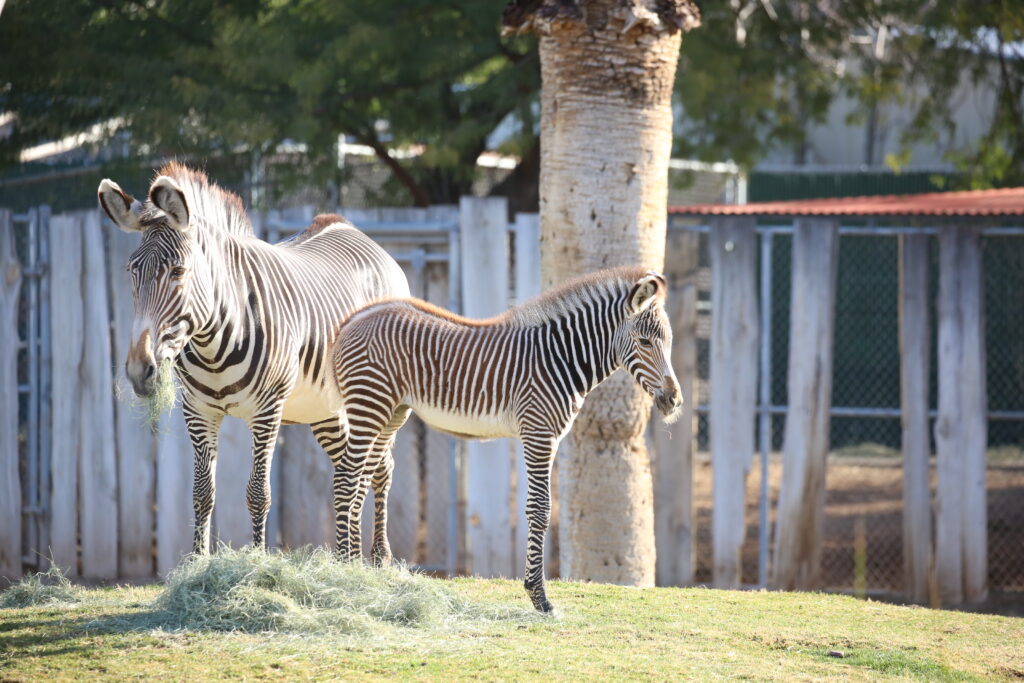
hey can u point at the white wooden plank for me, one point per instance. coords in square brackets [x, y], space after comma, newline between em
[136, 445]
[307, 515]
[961, 430]
[10, 481]
[484, 247]
[97, 445]
[801, 508]
[527, 281]
[674, 444]
[174, 512]
[66, 310]
[232, 523]
[438, 452]
[404, 501]
[915, 354]
[734, 335]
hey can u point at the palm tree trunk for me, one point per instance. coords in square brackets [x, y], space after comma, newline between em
[607, 69]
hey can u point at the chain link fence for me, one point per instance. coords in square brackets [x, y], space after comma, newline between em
[863, 542]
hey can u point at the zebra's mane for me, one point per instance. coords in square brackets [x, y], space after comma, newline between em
[570, 296]
[557, 303]
[216, 208]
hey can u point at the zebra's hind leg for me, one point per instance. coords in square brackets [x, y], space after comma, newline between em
[539, 449]
[332, 435]
[264, 427]
[351, 479]
[382, 476]
[202, 430]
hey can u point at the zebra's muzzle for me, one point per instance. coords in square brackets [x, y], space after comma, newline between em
[140, 367]
[669, 400]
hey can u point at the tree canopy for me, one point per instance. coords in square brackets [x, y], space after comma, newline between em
[209, 77]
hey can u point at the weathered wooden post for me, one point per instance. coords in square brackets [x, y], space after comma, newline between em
[483, 231]
[734, 335]
[801, 508]
[67, 325]
[174, 514]
[674, 444]
[915, 354]
[961, 430]
[10, 481]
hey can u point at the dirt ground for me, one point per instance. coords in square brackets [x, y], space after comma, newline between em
[870, 488]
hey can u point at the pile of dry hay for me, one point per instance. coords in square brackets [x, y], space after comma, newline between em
[300, 592]
[44, 588]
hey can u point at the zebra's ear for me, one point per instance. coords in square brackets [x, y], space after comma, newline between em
[167, 196]
[120, 206]
[646, 291]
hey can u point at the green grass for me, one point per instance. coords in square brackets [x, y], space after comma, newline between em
[483, 631]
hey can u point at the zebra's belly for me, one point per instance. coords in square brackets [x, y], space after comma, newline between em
[309, 403]
[463, 425]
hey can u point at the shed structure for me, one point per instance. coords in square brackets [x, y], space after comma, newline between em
[945, 539]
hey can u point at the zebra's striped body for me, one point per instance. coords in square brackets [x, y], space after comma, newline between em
[249, 325]
[523, 374]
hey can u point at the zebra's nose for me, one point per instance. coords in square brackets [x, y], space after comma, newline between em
[141, 367]
[142, 376]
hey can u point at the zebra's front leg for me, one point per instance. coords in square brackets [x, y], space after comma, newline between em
[202, 430]
[539, 449]
[382, 477]
[264, 427]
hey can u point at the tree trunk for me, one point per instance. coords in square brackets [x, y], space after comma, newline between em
[607, 70]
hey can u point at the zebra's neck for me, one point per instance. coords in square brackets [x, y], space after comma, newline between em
[582, 342]
[221, 290]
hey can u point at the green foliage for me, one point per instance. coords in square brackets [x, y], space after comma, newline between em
[204, 78]
[757, 72]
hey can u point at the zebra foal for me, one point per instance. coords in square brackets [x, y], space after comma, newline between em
[521, 374]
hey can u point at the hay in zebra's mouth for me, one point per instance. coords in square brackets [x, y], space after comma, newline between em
[157, 404]
[164, 393]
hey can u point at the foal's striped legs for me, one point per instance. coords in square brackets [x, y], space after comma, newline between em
[376, 470]
[539, 448]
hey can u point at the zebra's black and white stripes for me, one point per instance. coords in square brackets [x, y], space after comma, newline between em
[524, 373]
[249, 325]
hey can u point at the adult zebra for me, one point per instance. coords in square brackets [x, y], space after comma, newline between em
[522, 374]
[249, 325]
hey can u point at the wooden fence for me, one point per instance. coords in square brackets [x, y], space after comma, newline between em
[120, 504]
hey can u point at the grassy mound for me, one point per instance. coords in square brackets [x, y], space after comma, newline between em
[44, 588]
[309, 590]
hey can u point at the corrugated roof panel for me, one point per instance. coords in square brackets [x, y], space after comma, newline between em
[1002, 202]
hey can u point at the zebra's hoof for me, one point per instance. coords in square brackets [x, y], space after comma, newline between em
[540, 601]
[544, 606]
[382, 559]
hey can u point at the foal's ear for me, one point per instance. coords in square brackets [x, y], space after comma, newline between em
[119, 205]
[646, 291]
[167, 196]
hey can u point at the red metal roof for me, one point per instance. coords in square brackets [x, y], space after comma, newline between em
[1003, 202]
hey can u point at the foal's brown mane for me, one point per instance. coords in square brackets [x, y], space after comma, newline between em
[548, 306]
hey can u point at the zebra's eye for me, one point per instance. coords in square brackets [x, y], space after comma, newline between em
[177, 272]
[646, 343]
